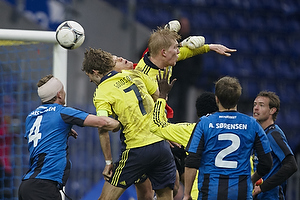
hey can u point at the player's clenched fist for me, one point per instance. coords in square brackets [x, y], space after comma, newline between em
[173, 25]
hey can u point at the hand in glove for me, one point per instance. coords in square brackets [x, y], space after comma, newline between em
[173, 25]
[193, 42]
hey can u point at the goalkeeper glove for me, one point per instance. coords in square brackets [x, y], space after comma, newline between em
[193, 42]
[173, 25]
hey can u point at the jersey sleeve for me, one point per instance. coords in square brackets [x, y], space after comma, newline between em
[103, 108]
[185, 52]
[195, 148]
[179, 132]
[73, 116]
[279, 145]
[194, 141]
[261, 144]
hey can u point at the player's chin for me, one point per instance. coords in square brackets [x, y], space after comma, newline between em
[130, 65]
[173, 64]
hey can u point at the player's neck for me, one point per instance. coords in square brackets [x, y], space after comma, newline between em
[222, 109]
[157, 62]
[266, 123]
[229, 109]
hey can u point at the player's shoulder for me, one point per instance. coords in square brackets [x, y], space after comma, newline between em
[134, 73]
[70, 110]
[140, 64]
[275, 128]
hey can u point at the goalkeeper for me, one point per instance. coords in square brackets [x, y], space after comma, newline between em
[164, 51]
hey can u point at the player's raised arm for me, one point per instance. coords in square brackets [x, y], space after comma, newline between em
[163, 83]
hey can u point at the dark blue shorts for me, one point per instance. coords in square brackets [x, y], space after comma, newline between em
[156, 161]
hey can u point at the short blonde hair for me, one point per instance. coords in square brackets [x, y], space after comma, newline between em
[161, 39]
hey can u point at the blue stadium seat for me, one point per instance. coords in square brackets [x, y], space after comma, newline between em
[287, 92]
[265, 68]
[221, 19]
[209, 65]
[269, 85]
[294, 44]
[243, 43]
[201, 19]
[239, 21]
[292, 117]
[250, 88]
[273, 23]
[284, 70]
[281, 119]
[144, 15]
[162, 16]
[278, 44]
[245, 67]
[256, 4]
[291, 25]
[224, 39]
[260, 44]
[256, 23]
[228, 66]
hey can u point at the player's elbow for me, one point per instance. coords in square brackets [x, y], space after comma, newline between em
[291, 164]
[294, 166]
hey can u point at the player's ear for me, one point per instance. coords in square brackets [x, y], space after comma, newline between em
[59, 95]
[163, 52]
[96, 72]
[273, 110]
[217, 100]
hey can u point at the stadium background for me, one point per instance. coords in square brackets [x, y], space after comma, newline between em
[265, 33]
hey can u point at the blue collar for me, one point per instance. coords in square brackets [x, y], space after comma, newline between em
[110, 74]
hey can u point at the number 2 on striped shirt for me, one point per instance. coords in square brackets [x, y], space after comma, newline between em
[235, 144]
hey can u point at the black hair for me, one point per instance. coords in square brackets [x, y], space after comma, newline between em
[206, 104]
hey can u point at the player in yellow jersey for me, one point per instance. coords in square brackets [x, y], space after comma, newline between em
[128, 96]
[163, 51]
[179, 132]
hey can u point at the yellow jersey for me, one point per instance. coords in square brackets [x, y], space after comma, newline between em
[150, 69]
[127, 97]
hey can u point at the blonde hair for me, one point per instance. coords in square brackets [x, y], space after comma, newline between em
[161, 39]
